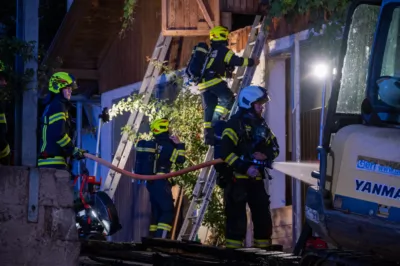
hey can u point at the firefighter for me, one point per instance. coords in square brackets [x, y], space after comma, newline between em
[247, 147]
[217, 98]
[169, 151]
[4, 146]
[55, 143]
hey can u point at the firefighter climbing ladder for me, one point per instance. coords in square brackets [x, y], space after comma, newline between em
[207, 178]
[135, 119]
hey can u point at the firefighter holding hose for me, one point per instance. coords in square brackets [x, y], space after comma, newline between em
[248, 146]
[55, 143]
[157, 156]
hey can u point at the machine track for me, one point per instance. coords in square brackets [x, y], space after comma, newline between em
[161, 252]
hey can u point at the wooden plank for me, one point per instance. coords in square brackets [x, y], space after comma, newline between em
[171, 14]
[243, 6]
[194, 17]
[186, 32]
[186, 13]
[164, 14]
[230, 4]
[282, 231]
[81, 73]
[282, 216]
[179, 17]
[217, 12]
[226, 19]
[205, 13]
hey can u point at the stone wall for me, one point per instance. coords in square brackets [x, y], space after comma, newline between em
[53, 240]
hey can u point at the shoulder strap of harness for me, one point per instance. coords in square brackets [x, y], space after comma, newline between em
[210, 50]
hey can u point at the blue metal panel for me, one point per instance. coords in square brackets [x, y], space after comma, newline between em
[366, 208]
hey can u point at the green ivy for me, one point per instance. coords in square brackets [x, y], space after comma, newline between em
[186, 119]
[127, 18]
[10, 47]
[330, 13]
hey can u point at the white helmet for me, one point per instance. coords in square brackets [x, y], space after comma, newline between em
[252, 94]
[389, 90]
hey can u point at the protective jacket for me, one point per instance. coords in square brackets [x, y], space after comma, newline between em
[168, 153]
[55, 143]
[245, 134]
[162, 205]
[221, 64]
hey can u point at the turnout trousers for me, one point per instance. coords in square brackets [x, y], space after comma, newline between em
[217, 102]
[236, 195]
[162, 207]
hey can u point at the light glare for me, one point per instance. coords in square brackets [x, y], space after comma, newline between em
[320, 70]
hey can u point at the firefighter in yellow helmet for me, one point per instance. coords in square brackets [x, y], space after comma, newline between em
[4, 146]
[55, 143]
[157, 157]
[217, 97]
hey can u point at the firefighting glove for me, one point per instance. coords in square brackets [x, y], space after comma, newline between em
[78, 153]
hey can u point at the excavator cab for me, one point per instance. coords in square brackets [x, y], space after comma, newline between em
[356, 205]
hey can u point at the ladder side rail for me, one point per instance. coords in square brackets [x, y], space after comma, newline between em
[125, 146]
[203, 208]
[249, 72]
[203, 174]
[246, 53]
[243, 78]
[196, 195]
[132, 117]
[147, 87]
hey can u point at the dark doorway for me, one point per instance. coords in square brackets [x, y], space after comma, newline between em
[240, 21]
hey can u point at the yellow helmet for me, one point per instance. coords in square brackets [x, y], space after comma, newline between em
[159, 126]
[61, 80]
[219, 33]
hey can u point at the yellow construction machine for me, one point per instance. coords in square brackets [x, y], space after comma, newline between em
[356, 205]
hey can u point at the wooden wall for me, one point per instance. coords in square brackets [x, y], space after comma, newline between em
[240, 6]
[310, 122]
[282, 227]
[125, 61]
[189, 17]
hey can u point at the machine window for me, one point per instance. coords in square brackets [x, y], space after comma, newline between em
[391, 60]
[356, 60]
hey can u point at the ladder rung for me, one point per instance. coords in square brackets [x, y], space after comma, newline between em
[242, 78]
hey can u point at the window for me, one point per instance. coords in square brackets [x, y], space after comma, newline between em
[355, 66]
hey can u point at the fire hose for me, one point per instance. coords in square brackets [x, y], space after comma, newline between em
[151, 177]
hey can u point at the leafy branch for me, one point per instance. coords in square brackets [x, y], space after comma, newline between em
[186, 120]
[127, 18]
[324, 15]
[17, 82]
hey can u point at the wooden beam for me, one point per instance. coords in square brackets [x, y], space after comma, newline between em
[205, 13]
[193, 33]
[226, 20]
[164, 15]
[81, 73]
[217, 13]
